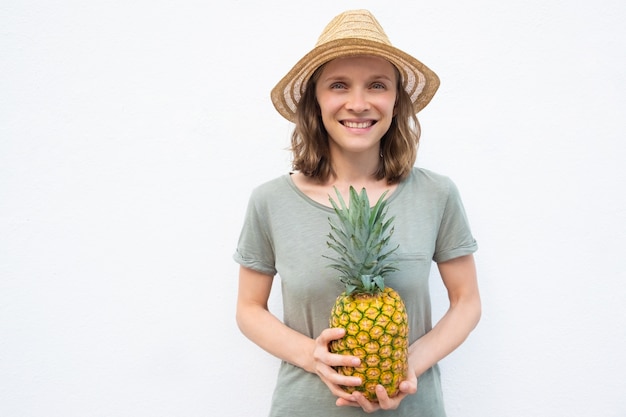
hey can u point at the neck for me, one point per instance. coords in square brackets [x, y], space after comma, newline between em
[356, 170]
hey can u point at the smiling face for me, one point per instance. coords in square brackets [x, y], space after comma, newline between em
[357, 96]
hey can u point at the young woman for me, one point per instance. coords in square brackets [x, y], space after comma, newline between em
[353, 100]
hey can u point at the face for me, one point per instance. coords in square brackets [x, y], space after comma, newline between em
[357, 96]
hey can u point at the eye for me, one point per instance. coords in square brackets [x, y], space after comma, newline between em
[337, 86]
[378, 86]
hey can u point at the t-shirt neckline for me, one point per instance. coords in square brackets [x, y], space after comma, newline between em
[321, 206]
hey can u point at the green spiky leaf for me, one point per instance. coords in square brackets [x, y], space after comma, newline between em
[360, 237]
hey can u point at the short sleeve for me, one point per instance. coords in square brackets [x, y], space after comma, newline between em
[254, 248]
[454, 238]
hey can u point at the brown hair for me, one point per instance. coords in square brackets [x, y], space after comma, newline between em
[309, 141]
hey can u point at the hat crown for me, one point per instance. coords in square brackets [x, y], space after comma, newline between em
[354, 24]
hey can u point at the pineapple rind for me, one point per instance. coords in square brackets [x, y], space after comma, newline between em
[384, 353]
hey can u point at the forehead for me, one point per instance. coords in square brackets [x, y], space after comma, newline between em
[361, 63]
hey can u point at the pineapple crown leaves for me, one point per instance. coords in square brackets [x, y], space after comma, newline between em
[360, 237]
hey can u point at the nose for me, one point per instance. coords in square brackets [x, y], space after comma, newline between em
[357, 101]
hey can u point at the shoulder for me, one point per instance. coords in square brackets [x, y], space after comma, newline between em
[270, 188]
[271, 185]
[274, 196]
[425, 179]
[429, 188]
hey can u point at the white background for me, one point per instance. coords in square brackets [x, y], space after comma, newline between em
[132, 132]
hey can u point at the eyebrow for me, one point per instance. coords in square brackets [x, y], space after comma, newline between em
[342, 77]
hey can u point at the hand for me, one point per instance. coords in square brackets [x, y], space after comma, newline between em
[324, 361]
[407, 387]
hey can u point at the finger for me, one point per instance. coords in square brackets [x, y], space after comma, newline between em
[385, 401]
[323, 356]
[341, 394]
[330, 375]
[346, 402]
[408, 387]
[331, 334]
[335, 359]
[367, 405]
[322, 353]
[383, 398]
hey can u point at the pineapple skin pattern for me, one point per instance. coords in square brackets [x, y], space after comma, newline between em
[373, 315]
[377, 333]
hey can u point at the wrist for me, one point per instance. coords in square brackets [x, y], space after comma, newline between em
[306, 359]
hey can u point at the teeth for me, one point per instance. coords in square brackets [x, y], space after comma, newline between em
[358, 125]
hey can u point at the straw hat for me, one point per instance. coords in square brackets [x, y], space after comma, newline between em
[354, 32]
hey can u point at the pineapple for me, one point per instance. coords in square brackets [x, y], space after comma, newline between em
[373, 315]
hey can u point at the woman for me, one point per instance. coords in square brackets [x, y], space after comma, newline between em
[353, 100]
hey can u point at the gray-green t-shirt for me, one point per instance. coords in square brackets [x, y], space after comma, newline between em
[285, 234]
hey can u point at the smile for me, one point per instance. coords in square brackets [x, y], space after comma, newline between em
[358, 125]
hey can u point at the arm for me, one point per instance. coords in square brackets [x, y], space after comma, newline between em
[263, 328]
[459, 277]
[266, 330]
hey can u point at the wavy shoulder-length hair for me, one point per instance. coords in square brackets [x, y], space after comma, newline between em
[309, 141]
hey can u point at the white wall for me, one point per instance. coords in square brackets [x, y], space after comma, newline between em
[131, 134]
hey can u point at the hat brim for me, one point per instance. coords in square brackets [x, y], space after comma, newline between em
[419, 81]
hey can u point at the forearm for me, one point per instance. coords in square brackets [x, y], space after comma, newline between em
[263, 328]
[459, 277]
[449, 333]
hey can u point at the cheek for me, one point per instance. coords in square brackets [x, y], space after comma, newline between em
[326, 113]
[391, 103]
[328, 103]
[384, 103]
